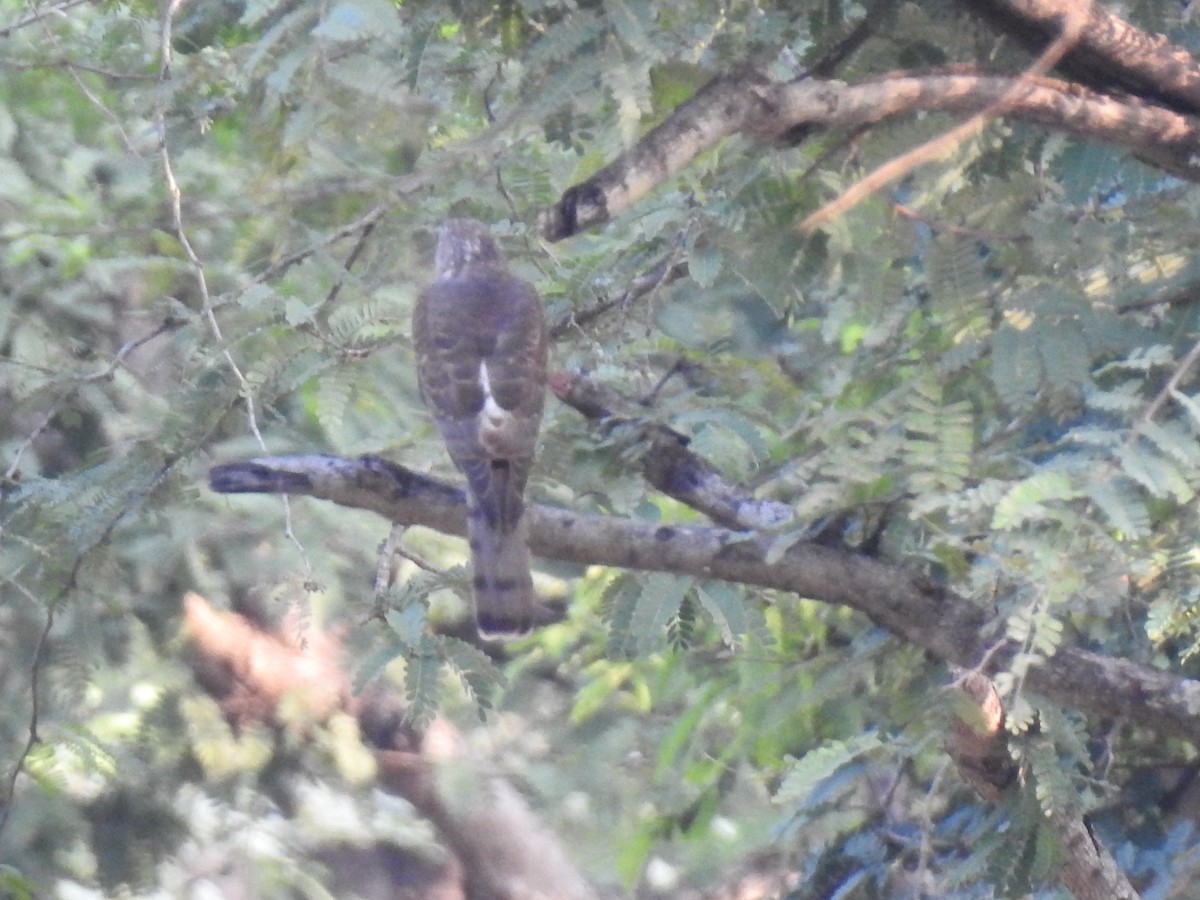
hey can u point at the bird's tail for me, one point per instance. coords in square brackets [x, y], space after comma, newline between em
[498, 532]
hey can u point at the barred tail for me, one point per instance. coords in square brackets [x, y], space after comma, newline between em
[504, 601]
[498, 532]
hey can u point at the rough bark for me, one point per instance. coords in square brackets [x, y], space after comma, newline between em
[751, 104]
[979, 747]
[910, 605]
[1128, 88]
[666, 462]
[1110, 54]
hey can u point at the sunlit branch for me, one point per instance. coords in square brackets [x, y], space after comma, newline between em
[749, 103]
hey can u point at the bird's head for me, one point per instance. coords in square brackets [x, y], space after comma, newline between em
[462, 243]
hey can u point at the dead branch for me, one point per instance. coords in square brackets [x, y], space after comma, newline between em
[979, 747]
[949, 141]
[1110, 54]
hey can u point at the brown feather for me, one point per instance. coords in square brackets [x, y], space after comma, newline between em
[480, 338]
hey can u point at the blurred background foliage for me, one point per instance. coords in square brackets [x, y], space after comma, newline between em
[959, 374]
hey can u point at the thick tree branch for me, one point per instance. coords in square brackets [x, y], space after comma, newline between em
[979, 747]
[750, 103]
[906, 603]
[1110, 54]
[949, 141]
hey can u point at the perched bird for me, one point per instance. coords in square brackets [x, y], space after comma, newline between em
[480, 338]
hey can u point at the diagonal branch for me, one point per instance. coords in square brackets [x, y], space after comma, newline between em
[750, 103]
[946, 143]
[667, 463]
[916, 608]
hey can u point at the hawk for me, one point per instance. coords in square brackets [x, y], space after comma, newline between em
[480, 339]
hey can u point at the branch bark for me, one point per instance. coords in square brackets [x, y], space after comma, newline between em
[1110, 55]
[910, 605]
[979, 747]
[666, 462]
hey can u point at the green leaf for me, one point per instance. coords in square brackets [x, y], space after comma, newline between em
[704, 261]
[1028, 500]
[727, 609]
[657, 604]
[802, 776]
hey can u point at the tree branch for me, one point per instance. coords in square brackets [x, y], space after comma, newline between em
[648, 283]
[499, 844]
[667, 463]
[908, 604]
[750, 103]
[979, 747]
[1110, 53]
[56, 9]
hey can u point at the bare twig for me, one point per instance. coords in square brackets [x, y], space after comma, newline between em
[355, 252]
[181, 234]
[56, 407]
[32, 739]
[1169, 390]
[69, 585]
[641, 286]
[364, 222]
[38, 14]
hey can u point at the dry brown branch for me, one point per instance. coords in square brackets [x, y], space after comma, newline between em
[905, 602]
[500, 849]
[1110, 54]
[977, 740]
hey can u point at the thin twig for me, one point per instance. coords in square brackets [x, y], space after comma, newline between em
[65, 63]
[38, 15]
[98, 103]
[128, 347]
[71, 582]
[1168, 390]
[661, 275]
[355, 252]
[280, 266]
[32, 739]
[181, 234]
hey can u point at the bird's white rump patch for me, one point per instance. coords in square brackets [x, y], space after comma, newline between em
[494, 421]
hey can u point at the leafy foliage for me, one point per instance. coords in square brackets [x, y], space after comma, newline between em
[985, 373]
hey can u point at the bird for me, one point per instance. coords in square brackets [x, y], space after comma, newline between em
[479, 333]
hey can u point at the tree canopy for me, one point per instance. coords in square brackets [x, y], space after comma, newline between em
[863, 513]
